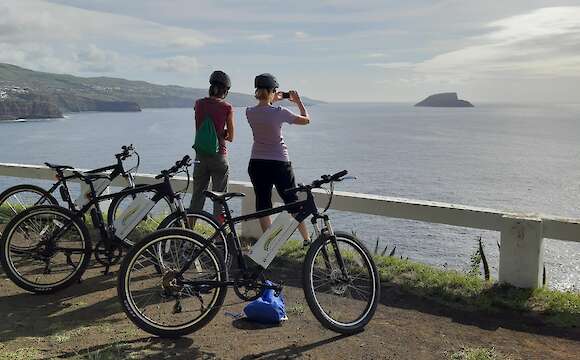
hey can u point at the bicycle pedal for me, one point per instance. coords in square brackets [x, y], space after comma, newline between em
[277, 289]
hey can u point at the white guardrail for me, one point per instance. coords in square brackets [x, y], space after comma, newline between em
[522, 235]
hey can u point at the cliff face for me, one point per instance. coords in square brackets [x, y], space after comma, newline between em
[74, 103]
[444, 100]
[26, 105]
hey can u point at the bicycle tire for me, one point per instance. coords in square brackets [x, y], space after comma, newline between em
[11, 191]
[6, 250]
[138, 252]
[209, 220]
[309, 289]
[114, 208]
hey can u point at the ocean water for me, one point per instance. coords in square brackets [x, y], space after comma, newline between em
[521, 158]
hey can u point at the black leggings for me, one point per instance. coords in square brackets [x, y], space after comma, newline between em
[267, 173]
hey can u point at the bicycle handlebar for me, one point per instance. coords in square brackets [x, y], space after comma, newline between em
[185, 162]
[324, 179]
[127, 152]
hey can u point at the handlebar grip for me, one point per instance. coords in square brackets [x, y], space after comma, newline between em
[338, 175]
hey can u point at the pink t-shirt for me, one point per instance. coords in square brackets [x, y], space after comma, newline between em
[266, 123]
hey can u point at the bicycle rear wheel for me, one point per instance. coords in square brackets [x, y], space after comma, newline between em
[19, 198]
[341, 283]
[57, 249]
[161, 302]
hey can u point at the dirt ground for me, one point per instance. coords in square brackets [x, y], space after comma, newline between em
[87, 319]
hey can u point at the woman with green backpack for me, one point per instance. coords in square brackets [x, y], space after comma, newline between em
[214, 124]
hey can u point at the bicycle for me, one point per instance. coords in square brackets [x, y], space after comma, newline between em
[175, 281]
[20, 197]
[62, 241]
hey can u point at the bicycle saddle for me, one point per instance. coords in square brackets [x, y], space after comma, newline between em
[58, 167]
[219, 196]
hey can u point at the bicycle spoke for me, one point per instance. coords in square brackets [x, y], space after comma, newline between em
[344, 299]
[157, 295]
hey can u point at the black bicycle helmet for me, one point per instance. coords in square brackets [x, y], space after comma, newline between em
[220, 77]
[266, 81]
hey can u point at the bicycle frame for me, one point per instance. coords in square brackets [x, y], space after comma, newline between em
[162, 190]
[62, 179]
[302, 210]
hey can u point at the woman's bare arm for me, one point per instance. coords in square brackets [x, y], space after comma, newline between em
[303, 118]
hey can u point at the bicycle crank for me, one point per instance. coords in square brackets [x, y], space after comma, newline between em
[103, 257]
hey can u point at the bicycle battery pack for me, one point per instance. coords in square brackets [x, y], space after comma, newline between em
[133, 214]
[100, 185]
[267, 246]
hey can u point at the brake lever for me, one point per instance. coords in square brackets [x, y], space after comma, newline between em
[349, 178]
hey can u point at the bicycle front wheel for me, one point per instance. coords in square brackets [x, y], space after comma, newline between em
[57, 249]
[151, 222]
[341, 283]
[157, 298]
[203, 224]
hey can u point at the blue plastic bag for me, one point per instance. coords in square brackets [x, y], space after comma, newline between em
[268, 309]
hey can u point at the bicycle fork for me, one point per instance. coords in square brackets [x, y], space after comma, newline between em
[328, 232]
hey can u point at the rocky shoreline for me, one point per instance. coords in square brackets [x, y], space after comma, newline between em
[22, 103]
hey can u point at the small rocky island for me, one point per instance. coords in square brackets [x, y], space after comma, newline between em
[444, 100]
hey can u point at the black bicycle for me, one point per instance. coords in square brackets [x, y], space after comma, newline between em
[58, 244]
[175, 281]
[21, 197]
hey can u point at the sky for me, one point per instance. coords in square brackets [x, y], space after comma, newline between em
[514, 51]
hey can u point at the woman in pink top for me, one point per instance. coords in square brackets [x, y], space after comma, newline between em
[269, 164]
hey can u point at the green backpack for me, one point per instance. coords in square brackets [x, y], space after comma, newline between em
[206, 139]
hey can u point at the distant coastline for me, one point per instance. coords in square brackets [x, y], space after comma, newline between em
[28, 94]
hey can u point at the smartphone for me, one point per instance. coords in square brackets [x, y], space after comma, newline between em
[285, 95]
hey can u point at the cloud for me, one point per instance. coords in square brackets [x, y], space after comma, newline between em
[261, 37]
[34, 20]
[301, 35]
[58, 38]
[539, 44]
[176, 64]
[393, 65]
[96, 60]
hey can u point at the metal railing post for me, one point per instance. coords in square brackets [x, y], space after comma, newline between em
[521, 255]
[250, 229]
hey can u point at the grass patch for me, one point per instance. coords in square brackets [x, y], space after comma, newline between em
[295, 309]
[113, 352]
[6, 213]
[19, 354]
[464, 291]
[477, 354]
[67, 335]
